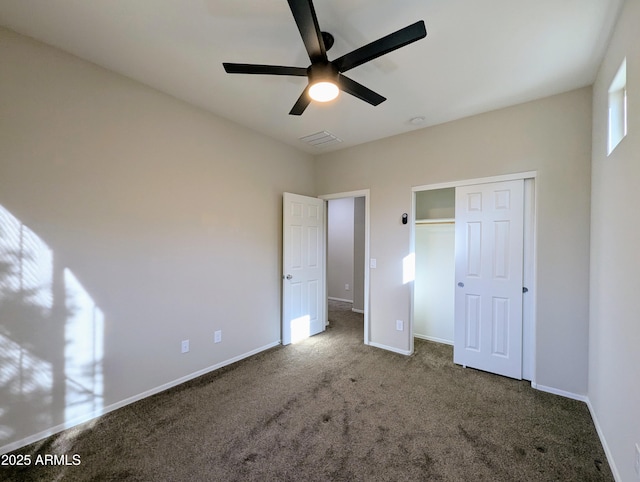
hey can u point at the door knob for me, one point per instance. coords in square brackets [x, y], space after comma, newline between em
[289, 276]
[461, 284]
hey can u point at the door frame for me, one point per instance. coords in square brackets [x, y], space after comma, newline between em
[365, 193]
[529, 262]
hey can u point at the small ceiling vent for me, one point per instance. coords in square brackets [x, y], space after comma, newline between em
[321, 139]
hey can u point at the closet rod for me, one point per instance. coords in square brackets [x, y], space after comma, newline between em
[436, 221]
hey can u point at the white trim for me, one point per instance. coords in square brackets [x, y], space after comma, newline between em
[562, 393]
[529, 279]
[357, 311]
[114, 406]
[341, 195]
[367, 216]
[412, 251]
[434, 339]
[390, 348]
[603, 441]
[339, 299]
[482, 180]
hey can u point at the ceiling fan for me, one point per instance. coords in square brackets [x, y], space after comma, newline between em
[326, 77]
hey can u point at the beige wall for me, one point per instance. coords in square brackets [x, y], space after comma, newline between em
[359, 241]
[551, 136]
[340, 248]
[614, 338]
[169, 218]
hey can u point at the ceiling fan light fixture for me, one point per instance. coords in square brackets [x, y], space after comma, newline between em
[325, 78]
[323, 91]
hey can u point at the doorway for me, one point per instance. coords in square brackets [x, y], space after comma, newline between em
[348, 251]
[433, 242]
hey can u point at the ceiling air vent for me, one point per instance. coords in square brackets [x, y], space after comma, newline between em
[321, 139]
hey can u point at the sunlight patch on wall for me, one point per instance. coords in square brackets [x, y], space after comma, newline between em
[26, 301]
[408, 268]
[83, 350]
[26, 383]
[51, 337]
[27, 262]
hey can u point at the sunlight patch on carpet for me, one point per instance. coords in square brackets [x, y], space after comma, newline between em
[300, 328]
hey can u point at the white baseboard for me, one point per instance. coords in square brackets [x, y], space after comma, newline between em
[50, 431]
[433, 338]
[390, 348]
[557, 391]
[114, 406]
[357, 311]
[603, 441]
[339, 299]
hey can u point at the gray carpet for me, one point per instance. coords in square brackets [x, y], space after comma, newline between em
[333, 409]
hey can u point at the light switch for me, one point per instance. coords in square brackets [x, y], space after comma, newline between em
[372, 263]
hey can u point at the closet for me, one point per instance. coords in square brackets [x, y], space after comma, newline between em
[434, 286]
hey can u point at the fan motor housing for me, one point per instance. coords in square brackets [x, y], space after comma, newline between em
[322, 71]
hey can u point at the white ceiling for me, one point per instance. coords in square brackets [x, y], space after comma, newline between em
[477, 56]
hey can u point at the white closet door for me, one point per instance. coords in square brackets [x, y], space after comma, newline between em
[488, 293]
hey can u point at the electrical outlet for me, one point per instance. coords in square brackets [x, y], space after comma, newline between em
[346, 287]
[217, 336]
[399, 325]
[185, 346]
[637, 462]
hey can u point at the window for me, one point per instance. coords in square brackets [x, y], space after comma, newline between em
[617, 108]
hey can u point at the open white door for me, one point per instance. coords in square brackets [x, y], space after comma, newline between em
[489, 263]
[303, 271]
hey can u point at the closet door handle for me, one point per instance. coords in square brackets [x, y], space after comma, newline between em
[461, 284]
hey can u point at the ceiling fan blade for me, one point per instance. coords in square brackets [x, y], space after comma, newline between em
[382, 46]
[301, 104]
[305, 16]
[360, 91]
[231, 68]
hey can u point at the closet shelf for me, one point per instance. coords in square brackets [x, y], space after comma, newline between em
[436, 221]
